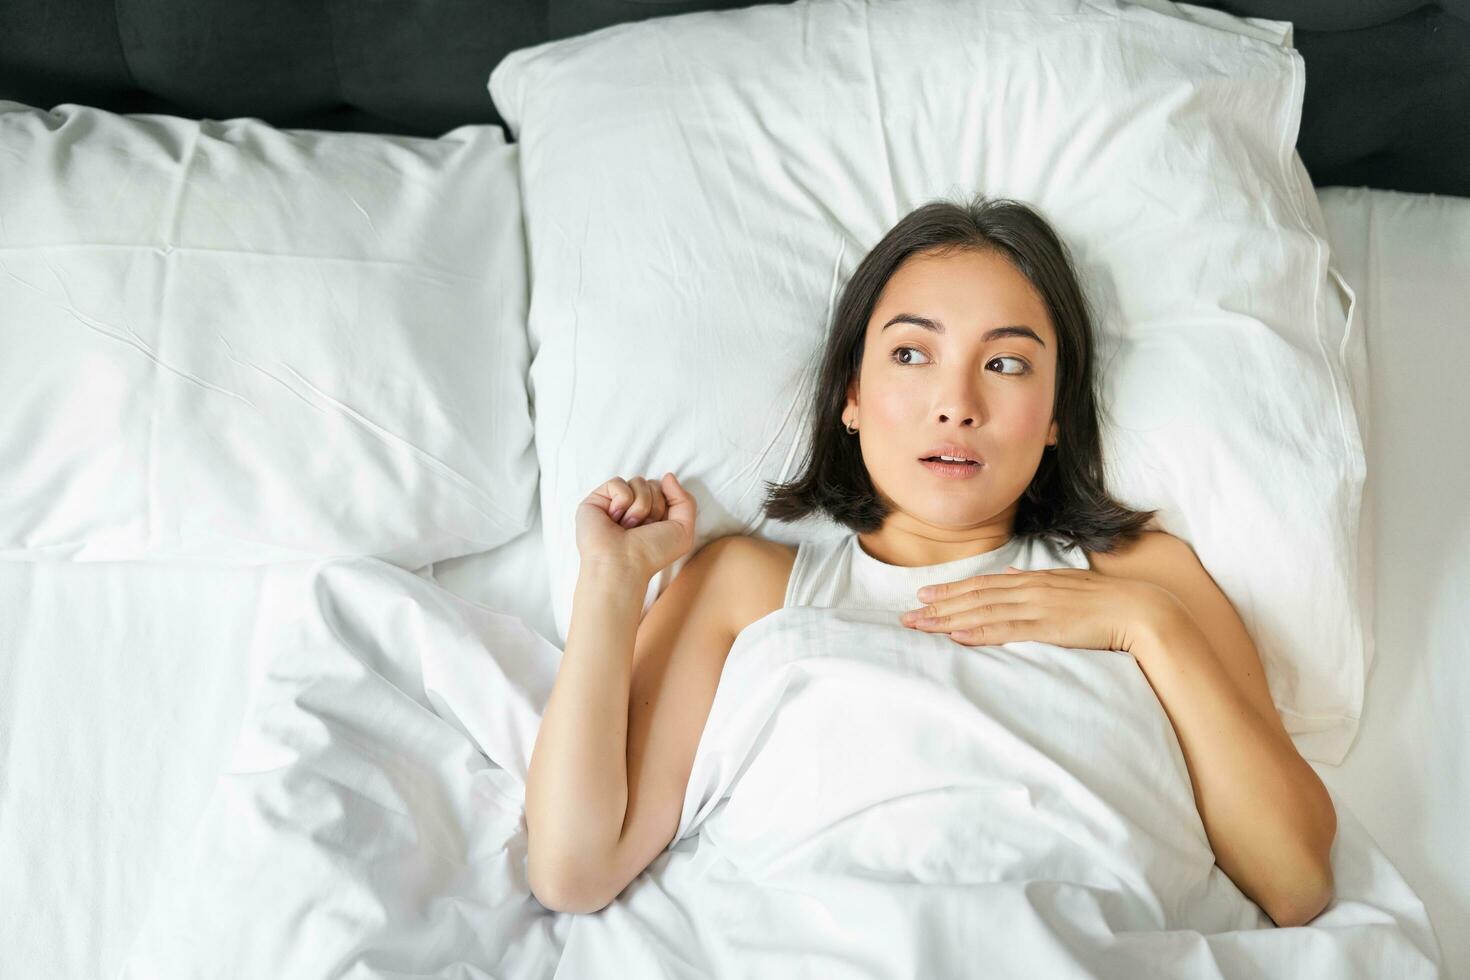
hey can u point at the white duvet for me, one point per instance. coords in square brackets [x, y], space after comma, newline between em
[866, 801]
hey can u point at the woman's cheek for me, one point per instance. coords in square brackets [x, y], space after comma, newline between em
[1024, 424]
[898, 411]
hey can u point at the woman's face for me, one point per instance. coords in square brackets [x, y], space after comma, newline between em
[958, 382]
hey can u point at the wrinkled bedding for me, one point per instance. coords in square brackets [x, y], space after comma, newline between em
[865, 801]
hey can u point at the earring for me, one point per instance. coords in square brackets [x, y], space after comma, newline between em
[850, 430]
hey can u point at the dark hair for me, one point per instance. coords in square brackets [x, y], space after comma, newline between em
[1066, 498]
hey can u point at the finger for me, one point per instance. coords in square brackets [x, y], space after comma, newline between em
[996, 633]
[1010, 631]
[638, 509]
[1002, 580]
[619, 496]
[970, 600]
[655, 502]
[682, 506]
[970, 616]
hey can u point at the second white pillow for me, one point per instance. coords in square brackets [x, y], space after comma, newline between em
[698, 188]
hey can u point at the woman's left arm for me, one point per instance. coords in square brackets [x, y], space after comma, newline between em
[1268, 816]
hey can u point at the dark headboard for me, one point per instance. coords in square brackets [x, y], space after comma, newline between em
[1387, 102]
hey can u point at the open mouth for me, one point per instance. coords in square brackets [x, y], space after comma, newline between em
[947, 470]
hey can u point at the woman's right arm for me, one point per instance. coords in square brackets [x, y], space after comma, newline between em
[577, 785]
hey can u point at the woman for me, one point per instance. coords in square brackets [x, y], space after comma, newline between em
[962, 335]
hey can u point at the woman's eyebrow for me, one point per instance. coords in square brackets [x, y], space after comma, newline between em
[928, 323]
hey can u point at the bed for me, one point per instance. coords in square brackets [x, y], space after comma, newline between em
[152, 725]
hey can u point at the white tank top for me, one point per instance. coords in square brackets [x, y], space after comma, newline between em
[836, 571]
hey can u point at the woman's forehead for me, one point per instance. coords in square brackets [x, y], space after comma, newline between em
[963, 292]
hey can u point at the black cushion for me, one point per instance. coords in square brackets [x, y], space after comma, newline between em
[1387, 102]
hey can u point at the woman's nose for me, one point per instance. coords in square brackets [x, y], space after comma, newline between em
[961, 400]
[964, 410]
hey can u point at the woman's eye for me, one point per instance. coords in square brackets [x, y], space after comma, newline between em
[899, 350]
[1024, 366]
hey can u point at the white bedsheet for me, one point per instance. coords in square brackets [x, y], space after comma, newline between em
[1036, 793]
[121, 690]
[363, 825]
[1408, 773]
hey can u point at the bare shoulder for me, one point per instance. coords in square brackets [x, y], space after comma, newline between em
[1172, 564]
[1152, 556]
[754, 573]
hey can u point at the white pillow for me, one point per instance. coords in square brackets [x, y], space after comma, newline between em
[698, 188]
[230, 341]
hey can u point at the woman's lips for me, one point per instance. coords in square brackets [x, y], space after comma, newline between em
[952, 471]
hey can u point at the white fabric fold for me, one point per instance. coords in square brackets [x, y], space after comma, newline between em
[865, 800]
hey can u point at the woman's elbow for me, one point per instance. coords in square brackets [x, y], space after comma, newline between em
[1306, 903]
[574, 902]
[566, 893]
[1312, 890]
